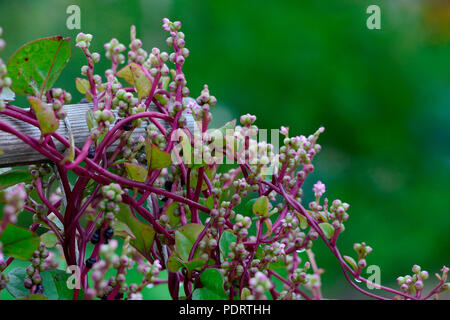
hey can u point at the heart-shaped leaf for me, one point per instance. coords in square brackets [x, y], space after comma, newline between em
[144, 234]
[45, 115]
[212, 282]
[53, 281]
[185, 238]
[156, 159]
[136, 172]
[35, 67]
[135, 75]
[82, 85]
[19, 242]
[261, 207]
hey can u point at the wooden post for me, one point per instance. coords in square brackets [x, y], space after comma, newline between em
[16, 152]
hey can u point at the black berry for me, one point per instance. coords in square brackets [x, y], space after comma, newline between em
[119, 296]
[90, 262]
[95, 237]
[39, 289]
[168, 185]
[109, 233]
[91, 152]
[127, 126]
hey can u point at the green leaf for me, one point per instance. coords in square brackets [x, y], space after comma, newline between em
[351, 262]
[53, 281]
[261, 207]
[303, 221]
[161, 98]
[71, 151]
[15, 285]
[327, 229]
[135, 76]
[143, 233]
[224, 244]
[58, 279]
[174, 220]
[195, 264]
[185, 238]
[210, 202]
[82, 85]
[19, 242]
[15, 176]
[90, 120]
[212, 281]
[174, 263]
[35, 67]
[122, 230]
[156, 159]
[34, 297]
[49, 239]
[245, 293]
[45, 115]
[136, 172]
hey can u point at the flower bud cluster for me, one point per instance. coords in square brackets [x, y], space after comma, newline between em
[155, 136]
[242, 225]
[224, 212]
[273, 253]
[362, 250]
[124, 102]
[33, 278]
[300, 150]
[259, 284]
[60, 97]
[411, 284]
[338, 214]
[83, 41]
[136, 54]
[112, 196]
[114, 50]
[14, 202]
[296, 238]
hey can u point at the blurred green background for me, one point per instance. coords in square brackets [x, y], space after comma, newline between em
[382, 95]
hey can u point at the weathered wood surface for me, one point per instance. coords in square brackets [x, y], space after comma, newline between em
[16, 152]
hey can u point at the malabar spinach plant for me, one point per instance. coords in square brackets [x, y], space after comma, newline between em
[164, 199]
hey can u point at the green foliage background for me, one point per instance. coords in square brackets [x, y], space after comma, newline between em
[382, 95]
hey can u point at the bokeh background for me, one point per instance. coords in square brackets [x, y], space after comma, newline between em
[382, 95]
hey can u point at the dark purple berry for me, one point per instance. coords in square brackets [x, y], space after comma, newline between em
[127, 126]
[84, 100]
[91, 152]
[109, 233]
[39, 289]
[119, 296]
[95, 237]
[168, 185]
[90, 262]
